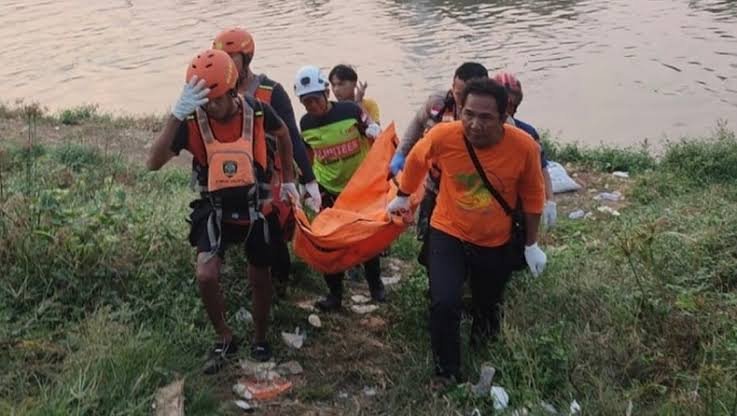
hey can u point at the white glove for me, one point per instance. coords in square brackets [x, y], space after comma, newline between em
[373, 131]
[398, 206]
[550, 213]
[194, 94]
[314, 199]
[289, 193]
[536, 259]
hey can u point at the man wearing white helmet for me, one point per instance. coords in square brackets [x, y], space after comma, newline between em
[339, 135]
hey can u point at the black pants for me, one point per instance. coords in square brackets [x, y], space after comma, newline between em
[427, 206]
[372, 268]
[451, 260]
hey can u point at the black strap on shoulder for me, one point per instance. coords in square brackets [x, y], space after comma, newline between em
[484, 179]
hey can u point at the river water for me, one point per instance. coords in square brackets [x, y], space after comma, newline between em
[615, 71]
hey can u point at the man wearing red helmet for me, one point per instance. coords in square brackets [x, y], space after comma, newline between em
[226, 135]
[514, 91]
[239, 44]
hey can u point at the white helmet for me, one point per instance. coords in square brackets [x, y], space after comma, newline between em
[309, 79]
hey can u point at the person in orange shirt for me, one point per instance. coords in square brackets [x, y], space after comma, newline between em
[469, 230]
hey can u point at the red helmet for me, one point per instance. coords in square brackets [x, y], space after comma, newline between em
[235, 40]
[216, 68]
[509, 81]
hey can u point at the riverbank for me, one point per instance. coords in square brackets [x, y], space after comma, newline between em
[99, 308]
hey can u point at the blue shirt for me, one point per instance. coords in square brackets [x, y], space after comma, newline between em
[532, 132]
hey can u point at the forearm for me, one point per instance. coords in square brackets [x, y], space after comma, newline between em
[160, 152]
[532, 222]
[286, 154]
[548, 185]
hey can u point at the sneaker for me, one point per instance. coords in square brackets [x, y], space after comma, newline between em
[261, 351]
[219, 355]
[331, 303]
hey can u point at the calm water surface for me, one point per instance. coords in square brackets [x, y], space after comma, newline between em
[612, 71]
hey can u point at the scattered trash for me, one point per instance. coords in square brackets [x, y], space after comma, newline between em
[314, 320]
[560, 180]
[609, 196]
[360, 299]
[290, 368]
[630, 408]
[575, 408]
[244, 316]
[390, 280]
[169, 400]
[549, 408]
[244, 405]
[619, 174]
[364, 309]
[485, 377]
[369, 391]
[373, 323]
[501, 398]
[240, 390]
[608, 210]
[262, 390]
[257, 369]
[295, 340]
[343, 395]
[521, 412]
[577, 214]
[307, 305]
[588, 215]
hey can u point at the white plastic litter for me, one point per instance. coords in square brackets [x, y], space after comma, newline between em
[256, 369]
[486, 376]
[290, 368]
[294, 340]
[500, 397]
[609, 196]
[244, 405]
[240, 390]
[560, 179]
[390, 280]
[369, 391]
[577, 214]
[244, 316]
[360, 299]
[364, 309]
[619, 174]
[575, 408]
[608, 210]
[314, 320]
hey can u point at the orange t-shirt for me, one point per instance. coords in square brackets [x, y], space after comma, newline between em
[465, 208]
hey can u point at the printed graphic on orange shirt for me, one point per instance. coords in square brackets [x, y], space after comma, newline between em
[473, 194]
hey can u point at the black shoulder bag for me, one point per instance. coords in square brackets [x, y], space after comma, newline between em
[515, 248]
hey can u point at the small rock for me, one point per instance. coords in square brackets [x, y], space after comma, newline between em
[501, 398]
[56, 128]
[256, 369]
[390, 280]
[244, 316]
[364, 309]
[290, 368]
[314, 320]
[549, 408]
[295, 340]
[369, 391]
[618, 174]
[578, 214]
[360, 299]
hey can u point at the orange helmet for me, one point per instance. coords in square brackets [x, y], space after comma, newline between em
[235, 40]
[216, 68]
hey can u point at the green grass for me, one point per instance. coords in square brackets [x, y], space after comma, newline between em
[98, 305]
